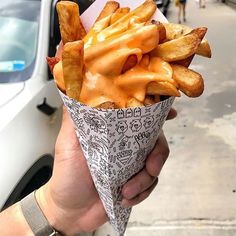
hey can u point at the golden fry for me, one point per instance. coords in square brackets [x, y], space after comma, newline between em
[109, 8]
[146, 34]
[174, 31]
[190, 82]
[178, 49]
[161, 30]
[204, 49]
[119, 14]
[185, 62]
[133, 102]
[201, 33]
[107, 105]
[162, 88]
[73, 64]
[143, 13]
[71, 27]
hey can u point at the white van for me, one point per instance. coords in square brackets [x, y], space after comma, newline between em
[30, 107]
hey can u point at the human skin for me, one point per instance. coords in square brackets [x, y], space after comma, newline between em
[69, 200]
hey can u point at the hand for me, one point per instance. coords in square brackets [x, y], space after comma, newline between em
[140, 186]
[70, 201]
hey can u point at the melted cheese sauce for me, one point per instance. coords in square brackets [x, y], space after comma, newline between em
[103, 80]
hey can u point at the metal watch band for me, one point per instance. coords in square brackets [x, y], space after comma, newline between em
[35, 217]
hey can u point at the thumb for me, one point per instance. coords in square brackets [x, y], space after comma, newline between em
[67, 141]
[67, 126]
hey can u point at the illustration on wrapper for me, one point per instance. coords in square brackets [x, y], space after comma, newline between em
[115, 144]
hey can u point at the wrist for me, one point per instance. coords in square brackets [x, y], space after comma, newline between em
[56, 216]
[12, 222]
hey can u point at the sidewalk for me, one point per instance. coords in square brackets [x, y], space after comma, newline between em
[196, 193]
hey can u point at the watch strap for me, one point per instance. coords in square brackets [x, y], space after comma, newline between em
[35, 217]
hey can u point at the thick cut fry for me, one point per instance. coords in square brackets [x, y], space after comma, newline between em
[131, 62]
[107, 105]
[190, 82]
[109, 8]
[178, 49]
[201, 33]
[174, 31]
[162, 88]
[143, 13]
[71, 27]
[119, 14]
[147, 41]
[133, 102]
[161, 30]
[149, 100]
[97, 27]
[204, 49]
[72, 62]
[185, 62]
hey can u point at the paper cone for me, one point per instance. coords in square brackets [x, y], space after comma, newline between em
[116, 142]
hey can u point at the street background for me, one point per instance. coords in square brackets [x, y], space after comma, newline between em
[196, 194]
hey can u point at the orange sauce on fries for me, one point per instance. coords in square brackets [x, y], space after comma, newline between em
[103, 79]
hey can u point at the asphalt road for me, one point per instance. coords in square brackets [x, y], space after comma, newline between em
[196, 194]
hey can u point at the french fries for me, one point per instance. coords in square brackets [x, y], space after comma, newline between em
[134, 103]
[107, 105]
[204, 49]
[110, 7]
[162, 88]
[119, 13]
[178, 49]
[143, 13]
[126, 59]
[70, 24]
[72, 63]
[189, 82]
[161, 30]
[174, 31]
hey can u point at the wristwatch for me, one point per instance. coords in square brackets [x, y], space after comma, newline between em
[35, 217]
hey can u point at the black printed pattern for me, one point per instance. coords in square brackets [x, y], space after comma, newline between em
[115, 144]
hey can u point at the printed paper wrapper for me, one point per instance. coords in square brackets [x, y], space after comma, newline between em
[116, 143]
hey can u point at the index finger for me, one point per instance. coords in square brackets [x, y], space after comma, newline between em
[158, 156]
